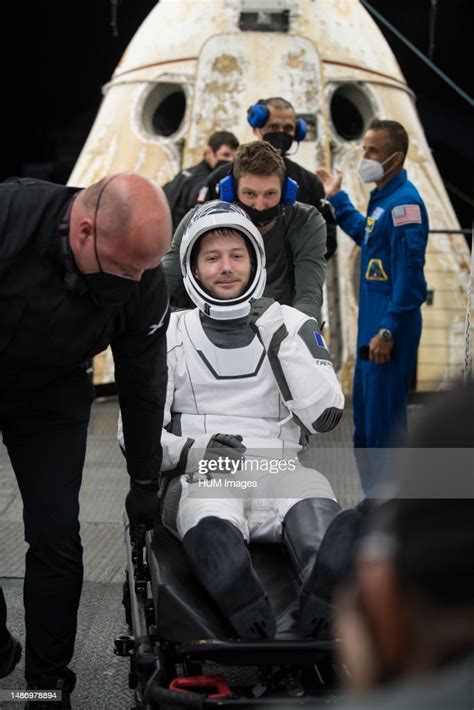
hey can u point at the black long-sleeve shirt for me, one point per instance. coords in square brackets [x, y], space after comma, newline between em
[50, 326]
[182, 191]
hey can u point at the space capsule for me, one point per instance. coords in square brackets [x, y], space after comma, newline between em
[195, 66]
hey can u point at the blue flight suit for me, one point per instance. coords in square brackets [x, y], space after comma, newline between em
[393, 240]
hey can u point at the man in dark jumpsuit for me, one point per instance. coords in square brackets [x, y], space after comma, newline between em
[274, 120]
[393, 240]
[182, 192]
[79, 270]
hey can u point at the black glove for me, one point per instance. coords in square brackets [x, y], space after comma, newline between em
[205, 449]
[225, 445]
[142, 504]
[257, 309]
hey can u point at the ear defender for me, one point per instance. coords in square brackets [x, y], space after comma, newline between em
[257, 115]
[301, 130]
[289, 192]
[227, 189]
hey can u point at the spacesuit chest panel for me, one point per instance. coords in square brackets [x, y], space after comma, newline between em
[206, 371]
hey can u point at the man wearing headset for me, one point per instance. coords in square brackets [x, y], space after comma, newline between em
[274, 120]
[246, 376]
[294, 234]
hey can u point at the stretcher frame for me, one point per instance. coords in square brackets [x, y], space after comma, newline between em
[290, 672]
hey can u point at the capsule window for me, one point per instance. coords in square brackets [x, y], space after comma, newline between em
[352, 111]
[164, 109]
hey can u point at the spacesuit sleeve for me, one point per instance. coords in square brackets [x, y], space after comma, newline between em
[347, 217]
[302, 367]
[408, 245]
[174, 448]
[171, 266]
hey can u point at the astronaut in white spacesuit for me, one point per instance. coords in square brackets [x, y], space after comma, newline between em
[246, 376]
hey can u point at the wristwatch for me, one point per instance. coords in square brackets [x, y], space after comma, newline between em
[386, 333]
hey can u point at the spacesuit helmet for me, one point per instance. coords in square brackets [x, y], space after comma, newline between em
[223, 215]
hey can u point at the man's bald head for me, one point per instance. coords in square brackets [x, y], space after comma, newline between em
[129, 218]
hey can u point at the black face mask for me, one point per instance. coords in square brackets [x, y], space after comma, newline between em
[280, 140]
[261, 218]
[220, 163]
[110, 290]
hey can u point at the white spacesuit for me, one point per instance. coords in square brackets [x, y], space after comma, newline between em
[232, 387]
[246, 377]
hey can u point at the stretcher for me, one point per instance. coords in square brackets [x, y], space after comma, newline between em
[183, 653]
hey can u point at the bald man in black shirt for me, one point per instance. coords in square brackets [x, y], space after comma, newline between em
[79, 270]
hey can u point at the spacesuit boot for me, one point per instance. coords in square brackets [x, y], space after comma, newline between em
[305, 527]
[332, 565]
[221, 562]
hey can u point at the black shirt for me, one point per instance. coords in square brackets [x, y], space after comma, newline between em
[183, 190]
[50, 325]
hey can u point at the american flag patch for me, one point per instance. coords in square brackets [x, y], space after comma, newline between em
[406, 214]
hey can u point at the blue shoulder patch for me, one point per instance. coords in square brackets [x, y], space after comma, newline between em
[319, 339]
[314, 341]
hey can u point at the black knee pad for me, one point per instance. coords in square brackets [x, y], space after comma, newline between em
[334, 562]
[218, 553]
[221, 561]
[304, 528]
[333, 566]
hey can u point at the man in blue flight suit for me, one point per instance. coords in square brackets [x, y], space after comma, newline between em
[392, 288]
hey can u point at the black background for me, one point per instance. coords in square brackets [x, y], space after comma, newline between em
[61, 52]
